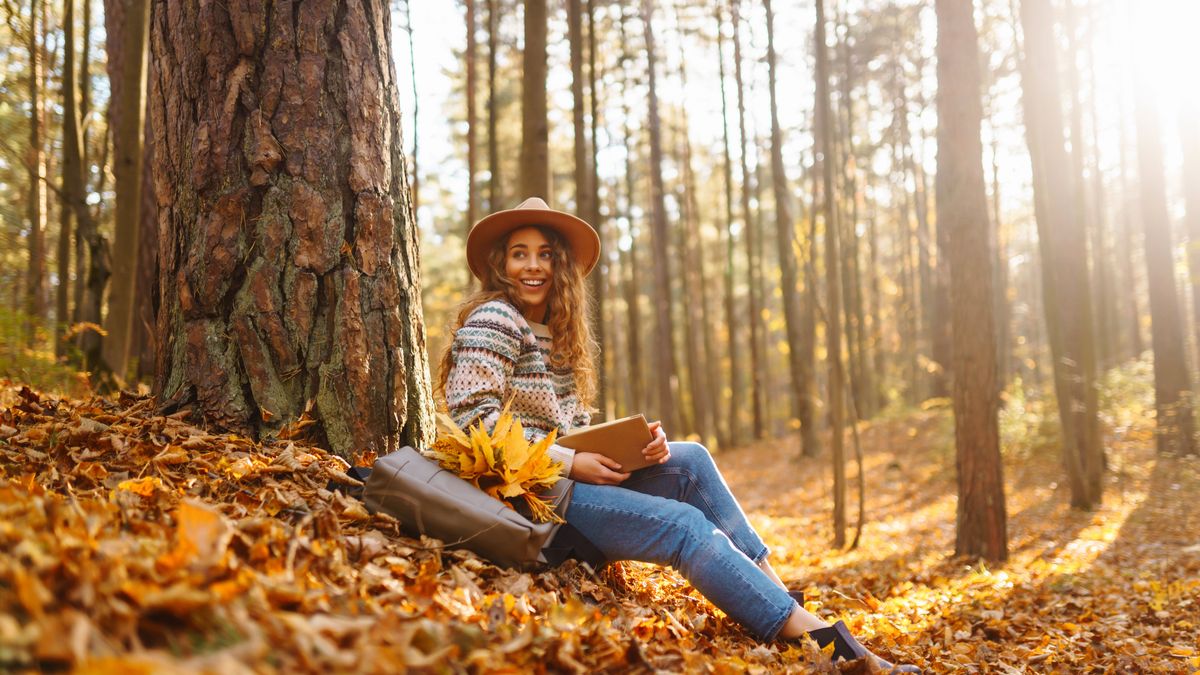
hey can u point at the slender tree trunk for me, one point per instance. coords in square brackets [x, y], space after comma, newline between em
[290, 271]
[1172, 379]
[664, 352]
[600, 292]
[583, 179]
[1099, 230]
[495, 190]
[999, 243]
[851, 285]
[1061, 231]
[535, 157]
[784, 235]
[146, 303]
[731, 430]
[878, 353]
[833, 309]
[35, 279]
[1189, 136]
[72, 174]
[702, 354]
[127, 73]
[472, 144]
[962, 208]
[1128, 285]
[754, 303]
[638, 396]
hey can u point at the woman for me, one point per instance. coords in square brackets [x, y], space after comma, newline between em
[524, 339]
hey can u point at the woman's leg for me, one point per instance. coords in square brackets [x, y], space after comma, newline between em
[630, 525]
[691, 476]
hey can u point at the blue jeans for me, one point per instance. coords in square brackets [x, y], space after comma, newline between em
[682, 514]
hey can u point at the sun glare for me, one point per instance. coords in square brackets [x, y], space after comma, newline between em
[1162, 35]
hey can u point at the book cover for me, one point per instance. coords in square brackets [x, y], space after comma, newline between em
[622, 440]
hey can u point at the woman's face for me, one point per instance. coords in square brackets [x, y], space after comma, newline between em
[528, 262]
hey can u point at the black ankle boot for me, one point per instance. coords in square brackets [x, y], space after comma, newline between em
[798, 596]
[846, 647]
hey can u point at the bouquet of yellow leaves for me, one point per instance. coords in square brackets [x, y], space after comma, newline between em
[503, 464]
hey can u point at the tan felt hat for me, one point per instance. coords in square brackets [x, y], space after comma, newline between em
[583, 240]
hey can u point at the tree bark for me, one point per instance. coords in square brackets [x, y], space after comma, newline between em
[1061, 232]
[535, 151]
[127, 72]
[962, 208]
[1172, 378]
[290, 278]
[664, 352]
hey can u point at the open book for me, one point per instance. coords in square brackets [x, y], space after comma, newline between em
[622, 440]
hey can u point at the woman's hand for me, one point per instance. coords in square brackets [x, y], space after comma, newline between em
[657, 450]
[590, 467]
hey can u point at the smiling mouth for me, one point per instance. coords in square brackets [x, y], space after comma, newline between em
[533, 283]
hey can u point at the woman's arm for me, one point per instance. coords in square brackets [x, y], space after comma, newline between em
[485, 352]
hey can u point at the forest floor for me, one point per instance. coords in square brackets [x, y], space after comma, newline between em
[133, 542]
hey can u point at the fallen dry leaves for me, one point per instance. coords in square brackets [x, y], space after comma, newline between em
[133, 542]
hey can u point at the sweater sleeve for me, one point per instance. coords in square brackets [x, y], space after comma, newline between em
[485, 352]
[564, 456]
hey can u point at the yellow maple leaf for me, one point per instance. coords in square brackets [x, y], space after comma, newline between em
[503, 464]
[141, 486]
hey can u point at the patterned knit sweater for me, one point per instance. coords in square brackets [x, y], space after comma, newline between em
[500, 356]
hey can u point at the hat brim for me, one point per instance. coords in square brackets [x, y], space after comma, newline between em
[581, 237]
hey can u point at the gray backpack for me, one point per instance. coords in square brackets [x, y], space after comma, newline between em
[429, 500]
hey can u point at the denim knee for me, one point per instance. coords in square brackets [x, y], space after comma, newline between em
[690, 455]
[689, 532]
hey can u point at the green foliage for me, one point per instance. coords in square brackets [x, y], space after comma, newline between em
[1127, 395]
[1028, 421]
[35, 366]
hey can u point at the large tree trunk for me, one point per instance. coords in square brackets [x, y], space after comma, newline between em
[1061, 233]
[130, 20]
[962, 208]
[785, 234]
[1172, 379]
[35, 278]
[535, 149]
[289, 266]
[754, 299]
[833, 307]
[664, 351]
